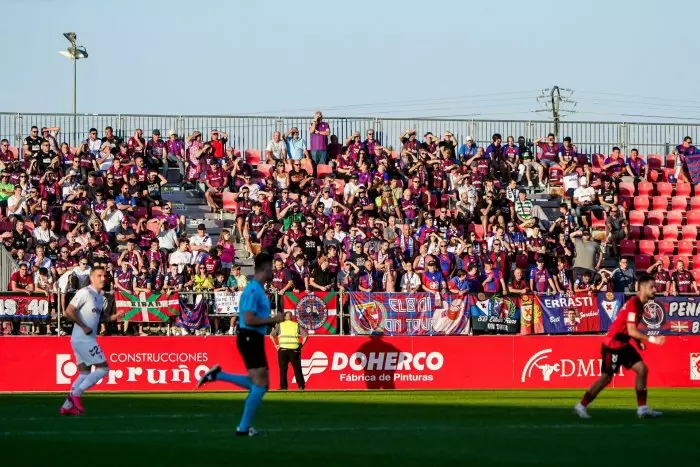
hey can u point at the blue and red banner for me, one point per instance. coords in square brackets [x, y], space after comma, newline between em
[193, 317]
[566, 314]
[672, 316]
[408, 314]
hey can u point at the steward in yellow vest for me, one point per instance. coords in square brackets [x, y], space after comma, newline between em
[289, 338]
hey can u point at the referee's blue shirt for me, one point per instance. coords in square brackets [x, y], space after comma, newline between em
[254, 300]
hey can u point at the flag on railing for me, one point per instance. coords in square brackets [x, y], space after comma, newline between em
[564, 313]
[316, 312]
[193, 317]
[151, 308]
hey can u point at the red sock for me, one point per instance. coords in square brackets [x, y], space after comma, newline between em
[641, 397]
[587, 399]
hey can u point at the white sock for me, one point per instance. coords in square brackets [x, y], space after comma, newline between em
[78, 381]
[91, 380]
[642, 408]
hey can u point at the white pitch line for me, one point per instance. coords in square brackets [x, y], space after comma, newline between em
[455, 428]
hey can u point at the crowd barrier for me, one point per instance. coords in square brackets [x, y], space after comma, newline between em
[391, 314]
[350, 363]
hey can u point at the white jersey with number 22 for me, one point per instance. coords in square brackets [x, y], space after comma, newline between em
[89, 304]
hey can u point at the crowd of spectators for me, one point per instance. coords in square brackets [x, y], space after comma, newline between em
[432, 215]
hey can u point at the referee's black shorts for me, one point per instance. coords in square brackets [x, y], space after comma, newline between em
[251, 345]
[626, 356]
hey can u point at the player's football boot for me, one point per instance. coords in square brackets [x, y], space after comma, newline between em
[77, 403]
[209, 376]
[70, 411]
[581, 411]
[249, 432]
[646, 412]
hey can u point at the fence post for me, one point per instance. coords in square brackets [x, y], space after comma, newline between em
[59, 312]
[342, 313]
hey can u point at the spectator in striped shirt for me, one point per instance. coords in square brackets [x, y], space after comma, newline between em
[319, 131]
[526, 211]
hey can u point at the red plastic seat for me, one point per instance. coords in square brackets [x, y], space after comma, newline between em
[628, 247]
[670, 232]
[666, 247]
[659, 203]
[655, 218]
[654, 176]
[674, 217]
[598, 160]
[671, 161]
[642, 262]
[647, 247]
[683, 189]
[598, 223]
[626, 189]
[322, 170]
[645, 189]
[686, 247]
[637, 218]
[689, 232]
[696, 262]
[693, 218]
[679, 203]
[666, 174]
[654, 161]
[625, 202]
[695, 203]
[641, 203]
[635, 232]
[478, 229]
[664, 189]
[252, 156]
[651, 232]
[229, 201]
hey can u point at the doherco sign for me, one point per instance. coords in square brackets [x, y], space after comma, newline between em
[375, 366]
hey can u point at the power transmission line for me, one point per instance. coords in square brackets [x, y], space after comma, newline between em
[558, 101]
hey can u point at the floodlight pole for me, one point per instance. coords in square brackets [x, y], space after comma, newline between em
[75, 96]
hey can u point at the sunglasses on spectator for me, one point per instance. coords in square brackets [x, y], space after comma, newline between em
[83, 263]
[296, 164]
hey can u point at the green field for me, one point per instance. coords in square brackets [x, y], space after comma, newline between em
[360, 429]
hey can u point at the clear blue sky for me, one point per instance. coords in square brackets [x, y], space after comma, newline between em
[407, 58]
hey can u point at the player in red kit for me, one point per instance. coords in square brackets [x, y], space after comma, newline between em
[618, 351]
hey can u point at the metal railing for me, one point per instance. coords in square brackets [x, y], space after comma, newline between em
[7, 266]
[253, 132]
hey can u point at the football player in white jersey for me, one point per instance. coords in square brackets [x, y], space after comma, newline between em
[85, 310]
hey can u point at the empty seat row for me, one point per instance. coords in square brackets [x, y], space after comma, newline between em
[658, 188]
[660, 218]
[661, 247]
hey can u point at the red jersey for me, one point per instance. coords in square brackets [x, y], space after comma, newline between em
[631, 313]
[21, 282]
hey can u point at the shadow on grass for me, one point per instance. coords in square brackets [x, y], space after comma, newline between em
[343, 429]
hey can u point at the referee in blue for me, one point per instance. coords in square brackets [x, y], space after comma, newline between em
[255, 308]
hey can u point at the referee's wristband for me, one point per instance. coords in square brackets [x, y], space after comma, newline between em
[653, 339]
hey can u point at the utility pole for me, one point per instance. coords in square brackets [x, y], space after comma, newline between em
[551, 99]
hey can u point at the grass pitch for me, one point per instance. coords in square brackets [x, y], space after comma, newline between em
[460, 428]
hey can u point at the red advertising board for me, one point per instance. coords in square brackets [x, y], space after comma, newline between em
[353, 362]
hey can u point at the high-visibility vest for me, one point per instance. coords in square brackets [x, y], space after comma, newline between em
[289, 335]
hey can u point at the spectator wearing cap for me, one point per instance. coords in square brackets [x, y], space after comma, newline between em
[218, 143]
[319, 131]
[155, 150]
[174, 152]
[468, 149]
[432, 279]
[296, 145]
[200, 243]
